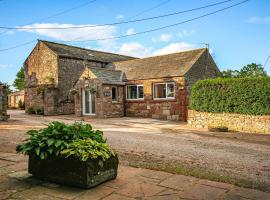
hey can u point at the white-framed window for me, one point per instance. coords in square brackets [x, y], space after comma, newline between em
[164, 90]
[114, 94]
[134, 92]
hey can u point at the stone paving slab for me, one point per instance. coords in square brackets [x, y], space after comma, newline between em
[131, 183]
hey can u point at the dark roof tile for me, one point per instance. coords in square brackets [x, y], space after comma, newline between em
[176, 64]
[84, 54]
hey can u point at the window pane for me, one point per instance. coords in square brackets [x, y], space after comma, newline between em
[86, 100]
[160, 91]
[140, 92]
[114, 94]
[170, 90]
[132, 92]
[93, 103]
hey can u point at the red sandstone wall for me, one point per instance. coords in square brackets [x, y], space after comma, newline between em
[169, 109]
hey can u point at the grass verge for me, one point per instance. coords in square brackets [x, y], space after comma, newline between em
[201, 173]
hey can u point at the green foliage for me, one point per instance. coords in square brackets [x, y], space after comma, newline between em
[57, 137]
[39, 111]
[85, 149]
[19, 81]
[21, 104]
[31, 110]
[35, 110]
[232, 95]
[252, 70]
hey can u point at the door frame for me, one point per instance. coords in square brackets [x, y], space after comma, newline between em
[90, 103]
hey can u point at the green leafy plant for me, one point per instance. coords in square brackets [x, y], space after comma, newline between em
[31, 110]
[21, 104]
[57, 137]
[232, 95]
[35, 110]
[39, 111]
[85, 149]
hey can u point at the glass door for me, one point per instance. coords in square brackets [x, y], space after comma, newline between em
[89, 103]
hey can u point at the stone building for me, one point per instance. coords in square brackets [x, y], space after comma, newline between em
[14, 98]
[3, 103]
[64, 79]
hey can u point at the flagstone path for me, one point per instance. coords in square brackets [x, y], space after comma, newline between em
[131, 183]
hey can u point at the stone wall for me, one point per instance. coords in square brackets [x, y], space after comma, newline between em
[33, 98]
[40, 69]
[110, 108]
[105, 107]
[3, 103]
[168, 109]
[235, 122]
[14, 98]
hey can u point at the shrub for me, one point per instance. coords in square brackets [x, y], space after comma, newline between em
[31, 110]
[238, 95]
[39, 111]
[59, 136]
[21, 104]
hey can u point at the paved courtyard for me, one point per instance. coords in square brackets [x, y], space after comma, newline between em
[131, 183]
[138, 143]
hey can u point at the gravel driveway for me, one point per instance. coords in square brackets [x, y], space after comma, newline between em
[148, 142]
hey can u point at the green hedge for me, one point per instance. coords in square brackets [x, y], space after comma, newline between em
[232, 95]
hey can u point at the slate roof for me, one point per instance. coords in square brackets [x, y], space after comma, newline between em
[85, 54]
[108, 76]
[176, 64]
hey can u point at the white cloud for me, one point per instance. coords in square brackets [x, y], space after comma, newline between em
[130, 31]
[119, 16]
[163, 38]
[174, 47]
[4, 66]
[186, 33]
[87, 33]
[259, 20]
[134, 49]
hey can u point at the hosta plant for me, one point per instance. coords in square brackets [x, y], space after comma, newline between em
[59, 136]
[85, 149]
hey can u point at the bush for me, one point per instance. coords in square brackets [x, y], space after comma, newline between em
[39, 111]
[35, 110]
[238, 95]
[59, 136]
[31, 110]
[21, 104]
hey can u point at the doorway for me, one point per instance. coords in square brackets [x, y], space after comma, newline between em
[89, 103]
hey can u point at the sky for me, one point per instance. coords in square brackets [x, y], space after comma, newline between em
[237, 36]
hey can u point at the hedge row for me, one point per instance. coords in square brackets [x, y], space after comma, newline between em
[232, 95]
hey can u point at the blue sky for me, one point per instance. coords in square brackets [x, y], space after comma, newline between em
[237, 36]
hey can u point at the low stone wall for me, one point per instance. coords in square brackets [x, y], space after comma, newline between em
[235, 122]
[3, 103]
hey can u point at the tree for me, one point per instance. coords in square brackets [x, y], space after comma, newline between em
[8, 89]
[230, 73]
[19, 81]
[252, 70]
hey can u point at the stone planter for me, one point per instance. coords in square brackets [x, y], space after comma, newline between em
[73, 172]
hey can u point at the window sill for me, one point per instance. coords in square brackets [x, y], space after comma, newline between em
[163, 100]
